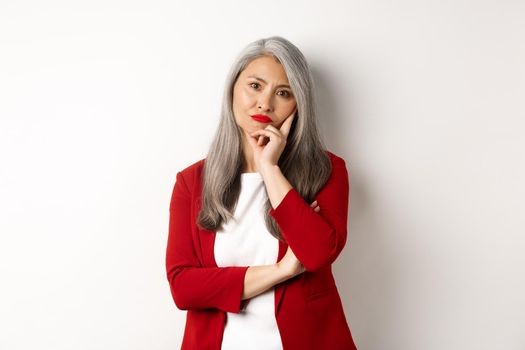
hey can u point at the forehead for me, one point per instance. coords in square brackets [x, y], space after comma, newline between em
[266, 68]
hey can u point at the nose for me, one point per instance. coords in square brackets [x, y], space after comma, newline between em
[265, 101]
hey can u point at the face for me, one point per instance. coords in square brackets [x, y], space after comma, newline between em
[262, 88]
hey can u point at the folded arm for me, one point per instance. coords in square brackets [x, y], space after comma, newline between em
[316, 238]
[196, 287]
[192, 285]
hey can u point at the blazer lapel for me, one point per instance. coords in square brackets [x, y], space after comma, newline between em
[206, 239]
[279, 289]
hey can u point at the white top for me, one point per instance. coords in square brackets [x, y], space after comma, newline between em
[245, 241]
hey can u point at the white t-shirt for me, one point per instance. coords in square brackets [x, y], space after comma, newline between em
[247, 242]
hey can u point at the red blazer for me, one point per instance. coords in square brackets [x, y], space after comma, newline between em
[308, 308]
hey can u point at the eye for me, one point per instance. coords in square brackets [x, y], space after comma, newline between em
[287, 93]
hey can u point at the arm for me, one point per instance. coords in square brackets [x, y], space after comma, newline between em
[195, 287]
[315, 238]
[261, 278]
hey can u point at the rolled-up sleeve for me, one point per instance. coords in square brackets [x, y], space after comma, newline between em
[192, 285]
[317, 238]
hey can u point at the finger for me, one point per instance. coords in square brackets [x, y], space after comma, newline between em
[274, 129]
[264, 132]
[285, 128]
[260, 140]
[252, 141]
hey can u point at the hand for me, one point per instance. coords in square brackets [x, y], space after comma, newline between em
[289, 263]
[268, 143]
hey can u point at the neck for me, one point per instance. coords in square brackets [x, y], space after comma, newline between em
[249, 164]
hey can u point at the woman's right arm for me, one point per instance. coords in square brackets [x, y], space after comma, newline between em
[196, 287]
[258, 279]
[192, 285]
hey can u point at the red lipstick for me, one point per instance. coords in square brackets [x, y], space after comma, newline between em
[262, 118]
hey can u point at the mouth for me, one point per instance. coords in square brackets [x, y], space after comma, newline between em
[262, 118]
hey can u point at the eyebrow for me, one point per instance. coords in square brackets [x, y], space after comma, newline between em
[264, 81]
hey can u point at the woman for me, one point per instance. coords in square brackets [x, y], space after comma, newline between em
[247, 256]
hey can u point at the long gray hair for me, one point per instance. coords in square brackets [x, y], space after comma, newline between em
[304, 161]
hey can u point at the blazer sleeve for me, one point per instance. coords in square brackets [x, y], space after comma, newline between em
[317, 238]
[192, 285]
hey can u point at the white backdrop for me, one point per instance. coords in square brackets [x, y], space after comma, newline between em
[102, 102]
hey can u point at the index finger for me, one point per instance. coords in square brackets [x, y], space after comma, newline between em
[287, 124]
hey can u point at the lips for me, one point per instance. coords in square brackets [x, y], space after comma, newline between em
[262, 118]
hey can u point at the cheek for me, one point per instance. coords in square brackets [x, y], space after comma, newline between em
[242, 101]
[246, 97]
[287, 109]
[238, 100]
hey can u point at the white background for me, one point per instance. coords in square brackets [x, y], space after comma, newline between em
[102, 102]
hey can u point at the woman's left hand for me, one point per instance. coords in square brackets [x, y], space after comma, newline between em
[268, 143]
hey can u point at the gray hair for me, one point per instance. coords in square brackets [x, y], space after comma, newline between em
[304, 161]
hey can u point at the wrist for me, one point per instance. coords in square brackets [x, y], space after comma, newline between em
[268, 168]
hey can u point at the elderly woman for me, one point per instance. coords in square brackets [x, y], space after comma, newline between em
[256, 225]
